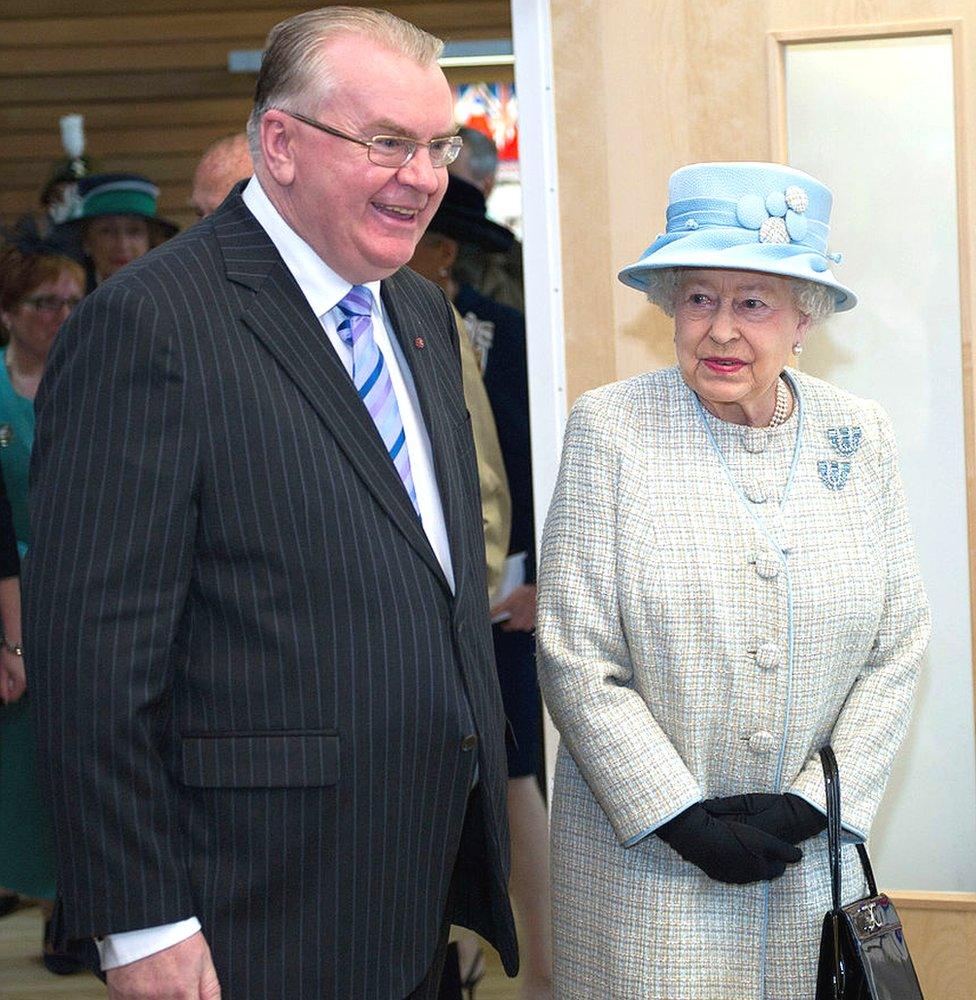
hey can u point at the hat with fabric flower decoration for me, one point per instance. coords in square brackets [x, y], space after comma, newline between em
[745, 217]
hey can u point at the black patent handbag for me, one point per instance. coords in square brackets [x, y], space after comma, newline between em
[863, 953]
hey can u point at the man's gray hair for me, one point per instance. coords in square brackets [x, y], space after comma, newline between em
[294, 72]
[810, 297]
[480, 153]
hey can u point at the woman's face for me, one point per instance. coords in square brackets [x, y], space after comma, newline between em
[34, 321]
[734, 333]
[112, 241]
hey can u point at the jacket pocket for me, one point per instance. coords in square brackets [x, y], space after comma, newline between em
[261, 760]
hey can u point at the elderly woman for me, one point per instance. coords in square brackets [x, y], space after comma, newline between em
[728, 582]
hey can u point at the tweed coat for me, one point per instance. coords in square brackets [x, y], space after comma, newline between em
[708, 618]
[260, 702]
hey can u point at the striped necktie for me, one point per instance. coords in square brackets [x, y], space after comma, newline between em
[372, 380]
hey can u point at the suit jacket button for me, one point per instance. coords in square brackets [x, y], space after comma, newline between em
[469, 742]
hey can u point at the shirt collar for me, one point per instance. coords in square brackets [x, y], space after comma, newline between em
[320, 285]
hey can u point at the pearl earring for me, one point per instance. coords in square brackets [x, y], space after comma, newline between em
[797, 348]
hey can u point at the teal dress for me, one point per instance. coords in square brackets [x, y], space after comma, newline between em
[27, 860]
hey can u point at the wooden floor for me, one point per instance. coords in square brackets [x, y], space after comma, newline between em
[22, 977]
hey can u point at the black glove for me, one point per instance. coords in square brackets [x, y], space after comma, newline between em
[727, 851]
[785, 816]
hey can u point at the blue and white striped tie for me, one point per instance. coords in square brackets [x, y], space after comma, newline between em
[372, 380]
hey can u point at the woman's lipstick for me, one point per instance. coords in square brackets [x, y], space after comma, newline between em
[724, 366]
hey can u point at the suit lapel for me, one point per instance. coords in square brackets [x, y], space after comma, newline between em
[279, 316]
[435, 397]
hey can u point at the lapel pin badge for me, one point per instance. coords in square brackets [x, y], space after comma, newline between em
[834, 474]
[419, 343]
[844, 440]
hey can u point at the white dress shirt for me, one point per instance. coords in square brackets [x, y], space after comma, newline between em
[323, 289]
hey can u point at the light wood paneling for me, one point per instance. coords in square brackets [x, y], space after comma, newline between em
[151, 79]
[940, 928]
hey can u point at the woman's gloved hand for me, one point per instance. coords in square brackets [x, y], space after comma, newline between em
[726, 850]
[785, 816]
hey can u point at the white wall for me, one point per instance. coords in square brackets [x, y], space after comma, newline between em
[874, 121]
[542, 262]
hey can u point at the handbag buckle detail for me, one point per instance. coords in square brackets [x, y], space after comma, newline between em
[870, 917]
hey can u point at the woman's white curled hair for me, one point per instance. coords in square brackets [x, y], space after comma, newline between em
[812, 299]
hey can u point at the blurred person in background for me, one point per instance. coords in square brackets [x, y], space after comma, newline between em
[222, 165]
[115, 215]
[38, 290]
[494, 273]
[498, 334]
[477, 163]
[13, 680]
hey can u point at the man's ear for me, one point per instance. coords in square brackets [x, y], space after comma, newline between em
[278, 146]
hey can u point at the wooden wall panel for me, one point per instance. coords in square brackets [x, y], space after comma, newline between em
[151, 79]
[940, 928]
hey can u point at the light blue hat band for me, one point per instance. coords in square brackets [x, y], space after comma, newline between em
[728, 238]
[695, 213]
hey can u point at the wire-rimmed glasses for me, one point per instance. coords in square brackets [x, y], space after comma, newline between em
[393, 151]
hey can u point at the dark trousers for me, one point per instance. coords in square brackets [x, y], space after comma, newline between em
[443, 980]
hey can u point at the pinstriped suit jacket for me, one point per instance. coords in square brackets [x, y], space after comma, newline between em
[253, 682]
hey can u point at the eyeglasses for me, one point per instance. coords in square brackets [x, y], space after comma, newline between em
[394, 150]
[52, 304]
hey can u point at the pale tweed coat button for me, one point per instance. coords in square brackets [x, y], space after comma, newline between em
[767, 565]
[756, 493]
[762, 743]
[754, 440]
[769, 656]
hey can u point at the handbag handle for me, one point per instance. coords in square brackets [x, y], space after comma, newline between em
[832, 788]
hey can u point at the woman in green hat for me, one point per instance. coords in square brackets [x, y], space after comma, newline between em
[117, 217]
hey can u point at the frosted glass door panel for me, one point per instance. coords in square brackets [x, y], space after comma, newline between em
[874, 120]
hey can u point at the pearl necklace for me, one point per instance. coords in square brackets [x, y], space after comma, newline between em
[783, 399]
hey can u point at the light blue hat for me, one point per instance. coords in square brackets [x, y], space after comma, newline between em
[745, 217]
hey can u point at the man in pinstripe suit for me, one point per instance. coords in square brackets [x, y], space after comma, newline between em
[256, 619]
